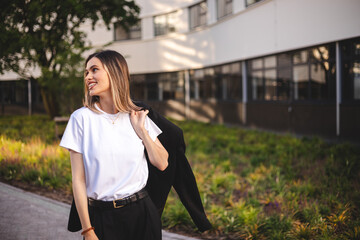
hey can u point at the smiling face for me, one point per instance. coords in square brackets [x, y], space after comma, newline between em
[97, 79]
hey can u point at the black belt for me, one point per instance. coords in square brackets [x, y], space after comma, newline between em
[119, 202]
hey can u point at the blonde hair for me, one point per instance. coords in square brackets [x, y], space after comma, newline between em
[117, 69]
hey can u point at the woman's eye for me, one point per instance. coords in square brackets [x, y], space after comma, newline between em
[95, 69]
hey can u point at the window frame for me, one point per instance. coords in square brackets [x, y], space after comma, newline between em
[134, 28]
[197, 7]
[346, 59]
[330, 91]
[225, 5]
[168, 28]
[247, 4]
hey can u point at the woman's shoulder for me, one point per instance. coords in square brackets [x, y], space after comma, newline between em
[82, 112]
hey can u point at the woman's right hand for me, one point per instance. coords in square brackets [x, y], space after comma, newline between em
[91, 235]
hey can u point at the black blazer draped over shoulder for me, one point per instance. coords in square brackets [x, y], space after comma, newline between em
[178, 174]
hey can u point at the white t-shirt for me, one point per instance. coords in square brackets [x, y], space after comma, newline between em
[113, 154]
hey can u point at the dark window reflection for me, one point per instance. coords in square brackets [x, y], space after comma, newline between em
[301, 75]
[138, 87]
[256, 79]
[14, 92]
[172, 85]
[350, 53]
[152, 87]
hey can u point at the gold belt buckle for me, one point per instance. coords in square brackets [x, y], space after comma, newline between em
[115, 206]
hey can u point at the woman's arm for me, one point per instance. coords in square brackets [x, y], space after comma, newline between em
[79, 191]
[158, 155]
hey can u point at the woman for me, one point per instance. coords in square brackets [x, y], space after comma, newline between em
[106, 139]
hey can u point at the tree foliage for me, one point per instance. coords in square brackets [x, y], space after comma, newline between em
[45, 36]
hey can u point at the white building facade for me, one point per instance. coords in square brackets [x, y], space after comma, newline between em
[287, 65]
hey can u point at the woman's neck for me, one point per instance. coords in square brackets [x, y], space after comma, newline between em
[107, 105]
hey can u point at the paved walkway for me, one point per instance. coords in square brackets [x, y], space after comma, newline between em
[27, 216]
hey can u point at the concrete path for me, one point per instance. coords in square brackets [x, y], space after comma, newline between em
[27, 216]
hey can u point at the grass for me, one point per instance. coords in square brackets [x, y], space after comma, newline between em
[254, 185]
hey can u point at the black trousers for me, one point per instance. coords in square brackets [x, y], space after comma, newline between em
[138, 220]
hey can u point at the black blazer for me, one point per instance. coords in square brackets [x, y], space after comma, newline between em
[178, 174]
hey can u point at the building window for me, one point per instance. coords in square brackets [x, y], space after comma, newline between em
[203, 84]
[165, 24]
[172, 85]
[152, 87]
[138, 87]
[14, 92]
[303, 75]
[313, 73]
[322, 72]
[197, 14]
[283, 78]
[251, 2]
[263, 78]
[229, 81]
[133, 32]
[350, 54]
[224, 8]
[144, 87]
[158, 86]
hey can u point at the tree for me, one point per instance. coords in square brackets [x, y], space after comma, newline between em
[46, 34]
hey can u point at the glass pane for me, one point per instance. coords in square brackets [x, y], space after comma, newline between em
[357, 48]
[284, 60]
[317, 80]
[209, 71]
[323, 53]
[205, 88]
[236, 68]
[137, 78]
[257, 85]
[250, 2]
[301, 81]
[135, 32]
[193, 17]
[198, 15]
[152, 91]
[351, 48]
[283, 83]
[257, 63]
[160, 25]
[203, 8]
[220, 87]
[225, 69]
[137, 90]
[120, 33]
[234, 87]
[356, 71]
[318, 73]
[221, 8]
[270, 62]
[224, 7]
[348, 77]
[180, 88]
[203, 12]
[199, 73]
[300, 57]
[171, 23]
[270, 85]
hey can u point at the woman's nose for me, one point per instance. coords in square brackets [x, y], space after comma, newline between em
[88, 76]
